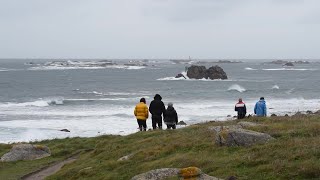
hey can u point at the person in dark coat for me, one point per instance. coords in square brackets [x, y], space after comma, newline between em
[170, 117]
[157, 108]
[240, 107]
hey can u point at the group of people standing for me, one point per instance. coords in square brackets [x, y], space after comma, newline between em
[260, 109]
[157, 110]
[170, 116]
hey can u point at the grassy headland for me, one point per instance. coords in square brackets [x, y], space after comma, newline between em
[294, 154]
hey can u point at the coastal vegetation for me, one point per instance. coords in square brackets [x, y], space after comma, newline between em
[293, 154]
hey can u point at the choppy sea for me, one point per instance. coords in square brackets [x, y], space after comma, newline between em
[94, 97]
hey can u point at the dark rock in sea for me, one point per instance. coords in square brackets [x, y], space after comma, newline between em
[181, 123]
[273, 115]
[200, 72]
[229, 116]
[317, 112]
[309, 112]
[26, 152]
[65, 130]
[180, 75]
[249, 116]
[289, 64]
[286, 115]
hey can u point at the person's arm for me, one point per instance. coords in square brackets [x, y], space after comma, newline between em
[255, 109]
[176, 116]
[265, 110]
[151, 107]
[245, 109]
[235, 108]
[147, 112]
[163, 108]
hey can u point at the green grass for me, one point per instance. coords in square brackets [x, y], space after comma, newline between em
[294, 154]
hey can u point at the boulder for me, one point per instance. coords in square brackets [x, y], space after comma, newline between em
[157, 174]
[26, 152]
[215, 72]
[185, 173]
[273, 115]
[182, 123]
[200, 72]
[289, 64]
[236, 136]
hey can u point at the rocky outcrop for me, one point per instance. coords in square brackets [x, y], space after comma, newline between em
[182, 123]
[64, 130]
[185, 173]
[26, 152]
[289, 64]
[237, 136]
[200, 72]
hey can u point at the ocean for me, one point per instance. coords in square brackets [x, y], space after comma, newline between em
[38, 98]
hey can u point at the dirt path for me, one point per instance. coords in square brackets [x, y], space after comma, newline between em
[52, 169]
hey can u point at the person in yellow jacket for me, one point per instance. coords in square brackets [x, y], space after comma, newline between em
[142, 113]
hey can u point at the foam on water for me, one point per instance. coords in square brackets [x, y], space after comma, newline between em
[87, 121]
[289, 69]
[275, 87]
[236, 87]
[250, 69]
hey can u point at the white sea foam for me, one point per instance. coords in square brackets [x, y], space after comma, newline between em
[45, 68]
[86, 121]
[250, 69]
[236, 87]
[290, 91]
[275, 87]
[289, 69]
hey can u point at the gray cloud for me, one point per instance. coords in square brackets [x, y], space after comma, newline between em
[159, 28]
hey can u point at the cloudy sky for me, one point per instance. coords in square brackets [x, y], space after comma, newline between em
[160, 29]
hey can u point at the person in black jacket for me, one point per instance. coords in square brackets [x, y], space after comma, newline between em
[170, 117]
[240, 107]
[157, 108]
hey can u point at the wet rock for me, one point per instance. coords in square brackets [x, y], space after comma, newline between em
[181, 123]
[273, 115]
[229, 116]
[309, 112]
[286, 115]
[180, 76]
[26, 152]
[290, 64]
[64, 130]
[200, 72]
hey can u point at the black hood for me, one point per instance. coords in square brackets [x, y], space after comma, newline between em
[170, 108]
[157, 97]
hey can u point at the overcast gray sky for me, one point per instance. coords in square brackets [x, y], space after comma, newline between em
[159, 28]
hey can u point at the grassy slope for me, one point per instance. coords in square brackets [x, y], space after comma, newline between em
[295, 154]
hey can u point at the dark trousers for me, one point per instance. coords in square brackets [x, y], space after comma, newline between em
[156, 120]
[142, 124]
[169, 126]
[241, 115]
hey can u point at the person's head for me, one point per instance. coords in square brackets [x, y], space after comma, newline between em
[240, 99]
[262, 98]
[157, 97]
[143, 100]
[170, 104]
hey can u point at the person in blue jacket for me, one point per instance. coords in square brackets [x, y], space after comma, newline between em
[260, 109]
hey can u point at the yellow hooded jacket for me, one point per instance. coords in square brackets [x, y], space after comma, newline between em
[141, 111]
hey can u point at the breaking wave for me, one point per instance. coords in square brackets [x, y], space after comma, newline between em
[250, 69]
[237, 87]
[275, 87]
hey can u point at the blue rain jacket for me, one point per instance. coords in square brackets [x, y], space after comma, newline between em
[260, 109]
